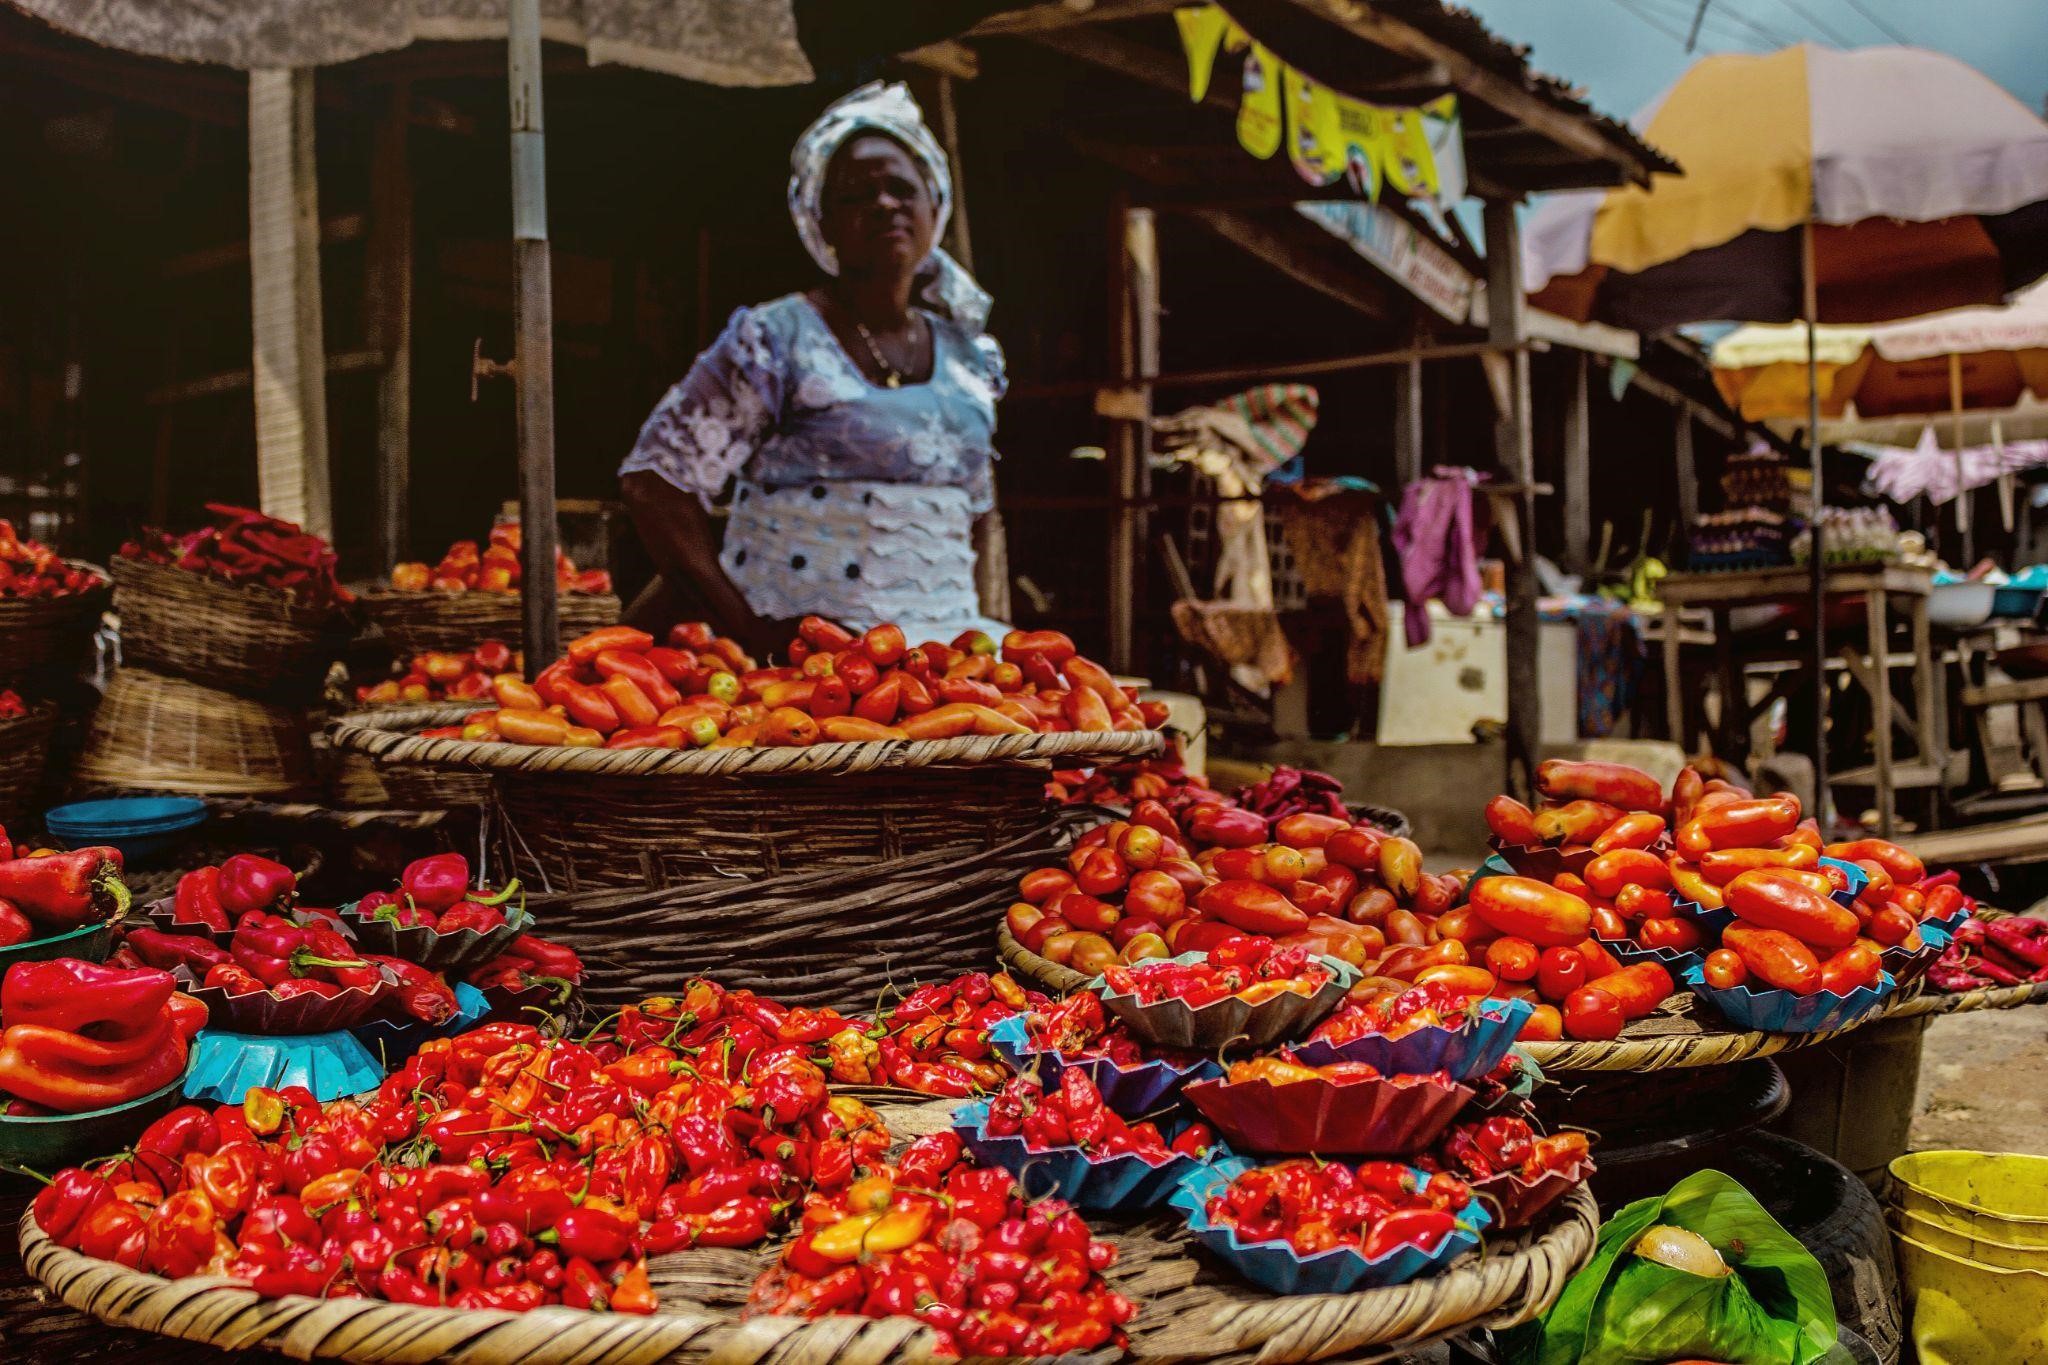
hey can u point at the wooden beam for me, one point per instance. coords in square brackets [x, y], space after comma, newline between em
[1137, 61]
[1134, 318]
[388, 305]
[1578, 469]
[1288, 253]
[335, 228]
[1705, 415]
[234, 381]
[1468, 77]
[1267, 370]
[948, 58]
[1505, 306]
[1050, 18]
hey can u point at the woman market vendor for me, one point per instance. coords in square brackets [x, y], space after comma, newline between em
[854, 422]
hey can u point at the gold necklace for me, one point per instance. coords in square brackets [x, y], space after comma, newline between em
[890, 374]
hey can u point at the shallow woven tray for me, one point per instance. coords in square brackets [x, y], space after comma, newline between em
[414, 622]
[247, 639]
[24, 745]
[390, 735]
[572, 820]
[1190, 1306]
[153, 732]
[1043, 972]
[837, 936]
[50, 634]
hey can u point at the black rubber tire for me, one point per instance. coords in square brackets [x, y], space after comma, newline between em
[1834, 1215]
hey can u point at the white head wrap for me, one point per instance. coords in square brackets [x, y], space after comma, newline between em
[943, 284]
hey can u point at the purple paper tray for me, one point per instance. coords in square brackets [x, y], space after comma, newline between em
[1387, 1117]
[1474, 1048]
[1130, 1091]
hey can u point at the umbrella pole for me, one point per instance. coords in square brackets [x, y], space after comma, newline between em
[1955, 408]
[1810, 307]
[533, 315]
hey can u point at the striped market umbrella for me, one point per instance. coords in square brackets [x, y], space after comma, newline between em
[1821, 186]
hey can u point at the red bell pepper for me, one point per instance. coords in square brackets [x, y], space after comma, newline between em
[14, 926]
[74, 995]
[197, 900]
[32, 1070]
[249, 882]
[64, 891]
[436, 883]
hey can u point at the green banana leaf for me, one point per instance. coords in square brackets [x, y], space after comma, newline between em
[1622, 1310]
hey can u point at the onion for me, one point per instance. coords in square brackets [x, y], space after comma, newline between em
[1682, 1250]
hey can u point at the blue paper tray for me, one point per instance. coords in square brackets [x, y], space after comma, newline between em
[1472, 1049]
[1673, 960]
[1114, 1184]
[1278, 1267]
[393, 1041]
[1906, 966]
[1130, 1091]
[1775, 1011]
[226, 1066]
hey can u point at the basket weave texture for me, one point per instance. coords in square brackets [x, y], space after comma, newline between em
[246, 639]
[574, 820]
[158, 733]
[415, 622]
[830, 937]
[41, 635]
[24, 745]
[1190, 1307]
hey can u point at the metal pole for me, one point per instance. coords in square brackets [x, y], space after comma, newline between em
[533, 322]
[1955, 406]
[1811, 308]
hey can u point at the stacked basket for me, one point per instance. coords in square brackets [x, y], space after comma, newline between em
[44, 641]
[213, 687]
[815, 872]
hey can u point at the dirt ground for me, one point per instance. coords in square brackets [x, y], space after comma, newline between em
[1981, 1083]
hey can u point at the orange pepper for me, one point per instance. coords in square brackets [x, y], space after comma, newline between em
[532, 727]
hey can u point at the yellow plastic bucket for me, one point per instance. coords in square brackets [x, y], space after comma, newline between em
[1965, 1313]
[2001, 1255]
[2001, 1197]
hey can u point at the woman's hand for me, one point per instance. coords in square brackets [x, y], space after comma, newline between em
[681, 540]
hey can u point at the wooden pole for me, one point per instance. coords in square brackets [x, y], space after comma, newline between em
[288, 361]
[1578, 471]
[1505, 329]
[1134, 318]
[1687, 471]
[1810, 309]
[389, 304]
[533, 318]
[1408, 423]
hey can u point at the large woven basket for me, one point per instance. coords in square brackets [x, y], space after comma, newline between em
[158, 733]
[581, 819]
[49, 635]
[414, 622]
[834, 937]
[1190, 1307]
[247, 639]
[24, 745]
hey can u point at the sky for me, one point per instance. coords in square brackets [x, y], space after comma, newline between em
[1625, 52]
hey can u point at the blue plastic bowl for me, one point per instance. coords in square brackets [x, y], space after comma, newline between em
[2016, 601]
[1280, 1268]
[140, 826]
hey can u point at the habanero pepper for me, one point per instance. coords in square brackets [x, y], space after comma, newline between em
[62, 1206]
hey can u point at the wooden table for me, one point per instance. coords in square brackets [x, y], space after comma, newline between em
[1721, 593]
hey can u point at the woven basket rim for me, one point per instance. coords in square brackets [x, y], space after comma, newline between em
[378, 592]
[387, 736]
[296, 612]
[1505, 1287]
[99, 589]
[38, 712]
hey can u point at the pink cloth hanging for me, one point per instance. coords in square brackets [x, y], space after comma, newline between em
[1438, 537]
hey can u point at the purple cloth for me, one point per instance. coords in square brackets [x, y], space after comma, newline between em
[1438, 537]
